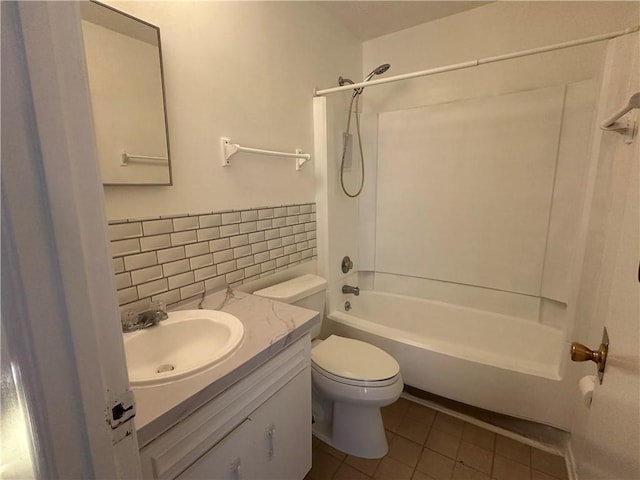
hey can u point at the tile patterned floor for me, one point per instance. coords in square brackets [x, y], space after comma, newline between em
[428, 445]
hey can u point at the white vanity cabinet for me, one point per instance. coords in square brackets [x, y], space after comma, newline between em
[259, 428]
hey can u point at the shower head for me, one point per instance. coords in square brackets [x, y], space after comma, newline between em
[377, 71]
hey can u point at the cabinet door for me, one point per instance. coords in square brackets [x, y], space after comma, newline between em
[274, 442]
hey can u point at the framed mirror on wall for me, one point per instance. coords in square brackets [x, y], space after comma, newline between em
[124, 67]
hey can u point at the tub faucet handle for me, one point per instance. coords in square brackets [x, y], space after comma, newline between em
[349, 289]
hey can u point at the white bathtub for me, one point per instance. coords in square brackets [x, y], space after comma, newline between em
[492, 361]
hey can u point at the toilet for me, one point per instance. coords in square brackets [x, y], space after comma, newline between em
[351, 379]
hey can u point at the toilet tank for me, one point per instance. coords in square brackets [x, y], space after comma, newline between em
[307, 291]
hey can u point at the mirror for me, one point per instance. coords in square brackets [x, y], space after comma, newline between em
[124, 66]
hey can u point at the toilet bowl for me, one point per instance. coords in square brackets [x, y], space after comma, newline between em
[351, 380]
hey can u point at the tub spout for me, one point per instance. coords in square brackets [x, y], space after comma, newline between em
[350, 289]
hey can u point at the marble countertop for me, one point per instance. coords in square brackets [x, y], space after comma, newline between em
[269, 328]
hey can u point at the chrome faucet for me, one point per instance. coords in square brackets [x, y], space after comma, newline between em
[350, 289]
[132, 321]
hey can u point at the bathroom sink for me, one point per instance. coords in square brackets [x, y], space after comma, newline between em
[187, 342]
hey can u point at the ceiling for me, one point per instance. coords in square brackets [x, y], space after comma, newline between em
[371, 19]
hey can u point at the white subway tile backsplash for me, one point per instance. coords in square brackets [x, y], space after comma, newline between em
[182, 238]
[214, 284]
[229, 230]
[156, 227]
[155, 242]
[127, 295]
[239, 240]
[123, 231]
[248, 227]
[180, 280]
[313, 207]
[177, 257]
[227, 267]
[201, 261]
[192, 290]
[261, 257]
[204, 273]
[118, 265]
[214, 220]
[249, 215]
[171, 254]
[223, 256]
[234, 276]
[185, 223]
[231, 217]
[244, 261]
[174, 268]
[313, 217]
[210, 233]
[217, 245]
[195, 249]
[145, 275]
[124, 247]
[123, 280]
[279, 222]
[264, 224]
[256, 237]
[141, 260]
[242, 251]
[278, 252]
[151, 288]
[265, 213]
[172, 296]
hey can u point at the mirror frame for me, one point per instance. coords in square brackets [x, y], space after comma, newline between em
[164, 100]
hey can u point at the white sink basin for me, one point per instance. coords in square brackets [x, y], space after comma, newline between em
[187, 342]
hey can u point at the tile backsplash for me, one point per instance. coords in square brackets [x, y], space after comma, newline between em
[177, 257]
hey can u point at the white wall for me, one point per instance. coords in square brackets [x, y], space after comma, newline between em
[494, 29]
[244, 70]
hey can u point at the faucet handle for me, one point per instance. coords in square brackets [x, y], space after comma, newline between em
[128, 319]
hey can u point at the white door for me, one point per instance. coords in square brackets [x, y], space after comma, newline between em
[606, 436]
[59, 311]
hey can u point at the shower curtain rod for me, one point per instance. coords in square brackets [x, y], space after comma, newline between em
[477, 62]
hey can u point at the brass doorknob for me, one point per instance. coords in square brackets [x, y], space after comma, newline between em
[581, 353]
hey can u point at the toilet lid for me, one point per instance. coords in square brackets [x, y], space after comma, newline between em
[354, 359]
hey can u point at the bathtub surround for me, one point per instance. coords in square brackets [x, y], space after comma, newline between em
[177, 257]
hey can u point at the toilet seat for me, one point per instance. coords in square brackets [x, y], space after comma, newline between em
[353, 362]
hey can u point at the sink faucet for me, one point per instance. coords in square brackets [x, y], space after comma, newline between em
[350, 289]
[132, 321]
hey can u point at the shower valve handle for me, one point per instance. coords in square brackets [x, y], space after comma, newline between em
[581, 353]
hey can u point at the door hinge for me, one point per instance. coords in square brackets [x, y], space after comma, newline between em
[118, 413]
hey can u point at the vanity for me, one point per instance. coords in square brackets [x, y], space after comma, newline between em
[248, 416]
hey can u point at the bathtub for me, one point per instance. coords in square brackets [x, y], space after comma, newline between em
[492, 361]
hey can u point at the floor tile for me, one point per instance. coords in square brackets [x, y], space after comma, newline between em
[462, 472]
[365, 465]
[324, 466]
[319, 444]
[347, 472]
[443, 443]
[405, 451]
[434, 465]
[390, 469]
[475, 457]
[505, 469]
[415, 431]
[418, 475]
[421, 413]
[513, 450]
[478, 436]
[448, 424]
[391, 419]
[536, 475]
[549, 463]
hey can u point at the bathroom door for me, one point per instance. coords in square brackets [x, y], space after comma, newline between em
[606, 436]
[59, 310]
